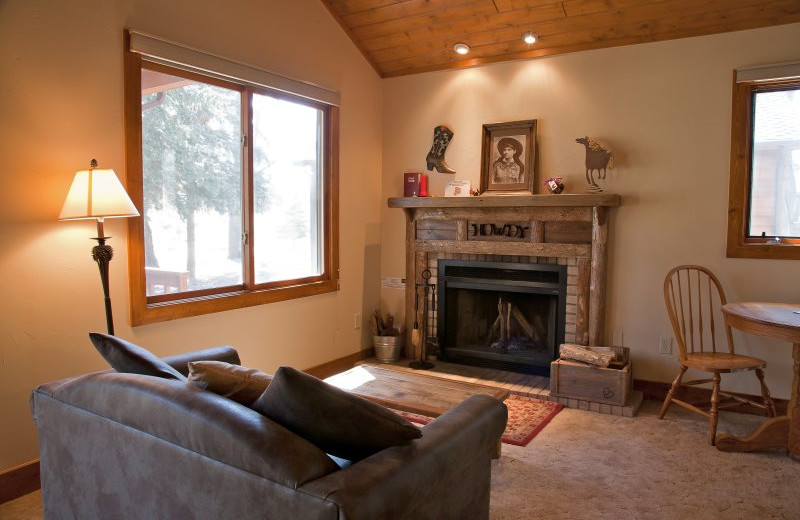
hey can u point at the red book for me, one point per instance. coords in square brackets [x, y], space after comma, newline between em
[411, 184]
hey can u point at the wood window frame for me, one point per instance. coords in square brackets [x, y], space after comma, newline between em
[739, 245]
[145, 310]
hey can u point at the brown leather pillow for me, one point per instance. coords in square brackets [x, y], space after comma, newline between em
[124, 356]
[238, 383]
[338, 422]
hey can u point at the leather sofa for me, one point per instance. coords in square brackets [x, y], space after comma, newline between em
[121, 445]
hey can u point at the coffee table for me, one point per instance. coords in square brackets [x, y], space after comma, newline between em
[411, 392]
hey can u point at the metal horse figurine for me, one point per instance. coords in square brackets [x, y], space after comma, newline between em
[597, 158]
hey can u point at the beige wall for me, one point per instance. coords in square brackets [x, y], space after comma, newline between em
[664, 108]
[61, 105]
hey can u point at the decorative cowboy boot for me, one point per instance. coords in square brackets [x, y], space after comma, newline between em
[435, 159]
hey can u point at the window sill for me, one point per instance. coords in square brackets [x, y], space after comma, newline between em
[782, 251]
[176, 309]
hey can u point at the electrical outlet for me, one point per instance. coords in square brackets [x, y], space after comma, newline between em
[357, 320]
[665, 346]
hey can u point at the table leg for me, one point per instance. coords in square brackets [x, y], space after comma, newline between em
[778, 432]
[793, 448]
[774, 433]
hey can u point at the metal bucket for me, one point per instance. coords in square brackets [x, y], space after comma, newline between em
[387, 348]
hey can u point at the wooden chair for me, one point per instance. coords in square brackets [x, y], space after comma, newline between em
[694, 296]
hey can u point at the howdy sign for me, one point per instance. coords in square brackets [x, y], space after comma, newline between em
[492, 231]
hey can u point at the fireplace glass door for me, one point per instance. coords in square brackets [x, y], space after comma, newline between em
[503, 315]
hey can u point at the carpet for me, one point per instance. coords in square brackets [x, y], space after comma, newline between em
[526, 417]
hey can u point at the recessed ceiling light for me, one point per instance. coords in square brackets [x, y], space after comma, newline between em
[529, 37]
[461, 48]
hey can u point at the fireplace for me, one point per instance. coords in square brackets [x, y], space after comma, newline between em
[551, 240]
[502, 315]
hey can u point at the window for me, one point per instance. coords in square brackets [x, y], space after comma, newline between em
[764, 193]
[236, 184]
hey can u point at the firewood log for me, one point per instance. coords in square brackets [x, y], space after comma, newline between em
[583, 354]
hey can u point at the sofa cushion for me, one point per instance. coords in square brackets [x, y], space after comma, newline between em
[241, 384]
[124, 356]
[340, 423]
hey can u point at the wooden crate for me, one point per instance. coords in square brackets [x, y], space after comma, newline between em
[589, 383]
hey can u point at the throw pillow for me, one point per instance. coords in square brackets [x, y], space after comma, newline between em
[238, 383]
[124, 356]
[340, 423]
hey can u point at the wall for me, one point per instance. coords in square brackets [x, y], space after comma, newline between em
[61, 105]
[664, 108]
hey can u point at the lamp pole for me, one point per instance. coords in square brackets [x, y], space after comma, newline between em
[102, 254]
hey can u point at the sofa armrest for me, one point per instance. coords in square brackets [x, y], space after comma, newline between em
[443, 475]
[180, 362]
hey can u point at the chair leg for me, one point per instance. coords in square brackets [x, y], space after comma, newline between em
[768, 402]
[712, 425]
[674, 388]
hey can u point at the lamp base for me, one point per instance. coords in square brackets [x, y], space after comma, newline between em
[421, 364]
[102, 253]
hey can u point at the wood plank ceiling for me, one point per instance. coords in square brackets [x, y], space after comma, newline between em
[400, 37]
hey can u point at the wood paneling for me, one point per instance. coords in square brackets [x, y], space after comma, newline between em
[566, 232]
[400, 37]
[437, 230]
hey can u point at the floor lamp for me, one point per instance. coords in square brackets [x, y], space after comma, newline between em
[97, 194]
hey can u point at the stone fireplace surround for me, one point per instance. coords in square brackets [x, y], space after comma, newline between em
[565, 229]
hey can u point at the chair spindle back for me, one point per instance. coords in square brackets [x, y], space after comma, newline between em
[693, 296]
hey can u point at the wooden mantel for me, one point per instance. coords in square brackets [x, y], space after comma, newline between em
[508, 201]
[564, 226]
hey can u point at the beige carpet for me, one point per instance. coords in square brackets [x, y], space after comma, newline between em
[585, 465]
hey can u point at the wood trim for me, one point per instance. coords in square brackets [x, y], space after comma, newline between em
[509, 213]
[332, 196]
[132, 111]
[504, 248]
[597, 273]
[738, 244]
[506, 201]
[340, 364]
[228, 301]
[144, 310]
[582, 304]
[657, 391]
[20, 480]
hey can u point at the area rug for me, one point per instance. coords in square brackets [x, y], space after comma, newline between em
[526, 417]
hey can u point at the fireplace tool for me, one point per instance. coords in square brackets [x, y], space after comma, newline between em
[415, 330]
[422, 363]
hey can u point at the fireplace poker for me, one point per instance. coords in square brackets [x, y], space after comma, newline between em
[415, 331]
[422, 363]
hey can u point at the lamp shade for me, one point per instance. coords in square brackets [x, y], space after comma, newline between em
[97, 193]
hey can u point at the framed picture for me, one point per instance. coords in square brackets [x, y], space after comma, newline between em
[508, 158]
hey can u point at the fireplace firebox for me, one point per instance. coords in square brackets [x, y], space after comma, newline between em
[503, 315]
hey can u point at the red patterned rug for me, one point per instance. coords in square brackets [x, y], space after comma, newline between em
[526, 417]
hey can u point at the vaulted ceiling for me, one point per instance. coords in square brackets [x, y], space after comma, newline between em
[400, 37]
